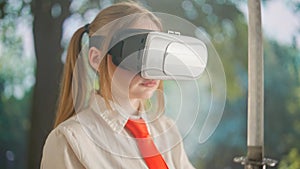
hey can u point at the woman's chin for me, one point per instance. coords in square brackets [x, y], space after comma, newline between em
[143, 95]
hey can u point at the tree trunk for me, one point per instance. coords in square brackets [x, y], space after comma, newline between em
[47, 32]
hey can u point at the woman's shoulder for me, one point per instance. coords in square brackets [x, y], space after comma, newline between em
[60, 135]
[77, 129]
[74, 123]
[68, 134]
[70, 130]
[61, 146]
[67, 125]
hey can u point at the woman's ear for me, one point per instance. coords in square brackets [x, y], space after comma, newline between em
[94, 57]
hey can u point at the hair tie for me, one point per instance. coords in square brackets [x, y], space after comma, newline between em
[86, 28]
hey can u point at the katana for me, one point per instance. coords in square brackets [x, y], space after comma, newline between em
[255, 130]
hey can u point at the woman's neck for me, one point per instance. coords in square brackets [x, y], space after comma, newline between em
[132, 107]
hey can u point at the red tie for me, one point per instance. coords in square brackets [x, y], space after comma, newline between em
[148, 150]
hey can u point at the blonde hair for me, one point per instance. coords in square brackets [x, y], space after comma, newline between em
[67, 103]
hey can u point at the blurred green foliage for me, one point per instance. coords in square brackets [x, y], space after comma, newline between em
[227, 27]
[16, 84]
[282, 101]
[291, 160]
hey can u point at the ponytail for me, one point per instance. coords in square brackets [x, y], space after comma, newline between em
[66, 101]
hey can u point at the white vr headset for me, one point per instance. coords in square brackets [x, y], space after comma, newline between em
[156, 55]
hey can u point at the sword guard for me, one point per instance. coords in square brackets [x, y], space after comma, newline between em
[265, 162]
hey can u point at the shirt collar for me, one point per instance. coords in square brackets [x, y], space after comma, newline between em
[115, 118]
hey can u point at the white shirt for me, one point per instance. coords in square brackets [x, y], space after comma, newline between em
[96, 139]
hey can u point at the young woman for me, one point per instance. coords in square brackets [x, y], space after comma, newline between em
[116, 129]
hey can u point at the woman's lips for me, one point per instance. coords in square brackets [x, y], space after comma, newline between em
[150, 83]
